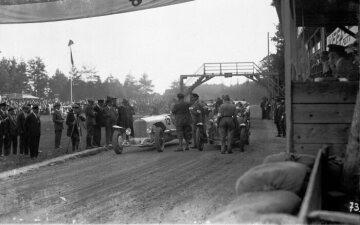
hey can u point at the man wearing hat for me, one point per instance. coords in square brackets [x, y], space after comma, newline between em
[58, 121]
[33, 131]
[24, 148]
[279, 117]
[182, 122]
[340, 64]
[12, 130]
[73, 122]
[3, 131]
[90, 123]
[99, 121]
[110, 116]
[226, 121]
[197, 116]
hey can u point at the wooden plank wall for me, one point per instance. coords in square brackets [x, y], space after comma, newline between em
[322, 115]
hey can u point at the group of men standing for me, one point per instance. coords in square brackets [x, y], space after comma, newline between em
[25, 124]
[95, 116]
[188, 114]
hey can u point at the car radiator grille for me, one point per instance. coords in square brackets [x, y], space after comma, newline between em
[140, 128]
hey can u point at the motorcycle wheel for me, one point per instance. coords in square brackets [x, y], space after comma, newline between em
[159, 139]
[243, 138]
[118, 141]
[199, 142]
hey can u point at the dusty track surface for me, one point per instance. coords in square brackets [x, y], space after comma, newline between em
[138, 186]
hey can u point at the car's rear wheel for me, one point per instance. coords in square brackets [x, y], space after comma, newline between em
[118, 141]
[159, 139]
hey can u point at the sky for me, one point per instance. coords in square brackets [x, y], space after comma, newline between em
[163, 42]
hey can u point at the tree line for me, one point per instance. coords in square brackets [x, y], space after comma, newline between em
[18, 76]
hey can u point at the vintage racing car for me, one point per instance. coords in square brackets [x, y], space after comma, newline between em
[242, 130]
[148, 131]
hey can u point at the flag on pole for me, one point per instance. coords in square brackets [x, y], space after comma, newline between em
[71, 56]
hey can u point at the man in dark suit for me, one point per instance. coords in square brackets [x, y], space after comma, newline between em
[110, 116]
[3, 130]
[12, 130]
[58, 124]
[33, 131]
[90, 123]
[99, 122]
[74, 131]
[24, 146]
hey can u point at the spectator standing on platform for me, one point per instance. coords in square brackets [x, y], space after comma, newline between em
[58, 124]
[341, 65]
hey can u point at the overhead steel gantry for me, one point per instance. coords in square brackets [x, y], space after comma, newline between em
[250, 70]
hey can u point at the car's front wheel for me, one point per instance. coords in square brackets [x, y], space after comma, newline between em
[118, 141]
[159, 139]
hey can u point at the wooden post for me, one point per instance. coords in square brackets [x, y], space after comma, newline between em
[288, 29]
[351, 169]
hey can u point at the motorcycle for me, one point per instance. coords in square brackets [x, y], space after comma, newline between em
[243, 123]
[200, 135]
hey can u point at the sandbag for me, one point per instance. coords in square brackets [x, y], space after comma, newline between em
[277, 218]
[288, 176]
[249, 206]
[306, 159]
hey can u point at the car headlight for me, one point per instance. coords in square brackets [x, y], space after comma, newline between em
[128, 131]
[148, 130]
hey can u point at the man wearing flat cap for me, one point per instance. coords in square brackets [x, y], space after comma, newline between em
[24, 147]
[73, 119]
[197, 116]
[226, 121]
[58, 124]
[33, 131]
[341, 66]
[182, 121]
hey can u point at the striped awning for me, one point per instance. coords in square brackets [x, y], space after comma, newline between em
[33, 11]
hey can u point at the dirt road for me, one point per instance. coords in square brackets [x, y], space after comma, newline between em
[139, 186]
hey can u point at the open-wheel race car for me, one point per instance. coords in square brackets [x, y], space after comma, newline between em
[148, 131]
[242, 127]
